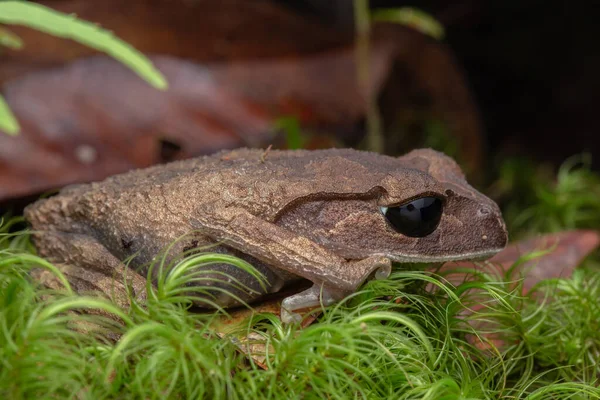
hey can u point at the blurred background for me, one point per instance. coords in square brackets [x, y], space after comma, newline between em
[510, 80]
[531, 66]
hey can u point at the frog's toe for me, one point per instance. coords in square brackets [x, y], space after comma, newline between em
[315, 296]
[288, 317]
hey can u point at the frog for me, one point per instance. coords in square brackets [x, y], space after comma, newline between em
[332, 218]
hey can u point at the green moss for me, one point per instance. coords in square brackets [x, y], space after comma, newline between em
[393, 339]
[535, 201]
[414, 335]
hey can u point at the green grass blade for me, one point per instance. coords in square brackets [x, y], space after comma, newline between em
[74, 303]
[411, 17]
[8, 260]
[46, 20]
[10, 40]
[8, 121]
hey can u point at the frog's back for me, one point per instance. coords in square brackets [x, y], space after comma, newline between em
[234, 164]
[259, 181]
[264, 183]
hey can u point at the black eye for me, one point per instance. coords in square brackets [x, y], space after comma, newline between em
[417, 218]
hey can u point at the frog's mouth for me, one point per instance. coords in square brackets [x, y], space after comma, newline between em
[472, 256]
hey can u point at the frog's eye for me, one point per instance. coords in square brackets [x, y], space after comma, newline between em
[417, 218]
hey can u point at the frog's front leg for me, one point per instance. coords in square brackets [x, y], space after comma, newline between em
[312, 297]
[333, 276]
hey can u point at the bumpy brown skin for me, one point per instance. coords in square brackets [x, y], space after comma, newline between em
[310, 214]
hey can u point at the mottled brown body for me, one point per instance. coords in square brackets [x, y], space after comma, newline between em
[309, 214]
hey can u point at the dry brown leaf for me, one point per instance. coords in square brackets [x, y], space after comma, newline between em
[199, 30]
[253, 344]
[561, 253]
[92, 118]
[564, 252]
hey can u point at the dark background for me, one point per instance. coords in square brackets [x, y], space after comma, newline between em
[533, 67]
[510, 78]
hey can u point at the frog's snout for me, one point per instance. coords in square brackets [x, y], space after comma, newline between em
[494, 233]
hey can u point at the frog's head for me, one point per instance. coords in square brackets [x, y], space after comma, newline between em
[444, 218]
[419, 208]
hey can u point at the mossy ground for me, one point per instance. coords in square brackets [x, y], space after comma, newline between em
[412, 336]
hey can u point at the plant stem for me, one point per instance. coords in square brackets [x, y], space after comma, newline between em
[363, 28]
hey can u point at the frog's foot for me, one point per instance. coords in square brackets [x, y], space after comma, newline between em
[315, 296]
[89, 267]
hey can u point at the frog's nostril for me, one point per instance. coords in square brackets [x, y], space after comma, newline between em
[484, 211]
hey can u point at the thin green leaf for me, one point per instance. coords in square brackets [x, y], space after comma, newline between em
[8, 121]
[411, 17]
[10, 40]
[46, 20]
[293, 132]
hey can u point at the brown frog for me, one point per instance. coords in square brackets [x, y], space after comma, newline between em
[335, 217]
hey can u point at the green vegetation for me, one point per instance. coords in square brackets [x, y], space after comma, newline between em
[295, 137]
[411, 17]
[535, 201]
[46, 20]
[415, 335]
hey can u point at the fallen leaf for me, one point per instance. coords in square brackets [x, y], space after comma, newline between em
[94, 118]
[253, 344]
[199, 30]
[557, 256]
[234, 67]
[560, 254]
